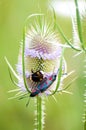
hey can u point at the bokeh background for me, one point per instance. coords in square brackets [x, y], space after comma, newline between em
[66, 113]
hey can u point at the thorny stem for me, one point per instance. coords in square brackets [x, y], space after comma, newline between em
[84, 115]
[39, 113]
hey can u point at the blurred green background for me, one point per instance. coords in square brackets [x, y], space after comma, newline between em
[66, 113]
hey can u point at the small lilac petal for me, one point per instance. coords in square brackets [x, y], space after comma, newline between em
[27, 74]
[26, 52]
[20, 72]
[19, 68]
[50, 56]
[41, 54]
[47, 93]
[36, 53]
[44, 56]
[21, 85]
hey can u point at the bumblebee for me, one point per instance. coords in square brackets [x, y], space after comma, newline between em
[36, 76]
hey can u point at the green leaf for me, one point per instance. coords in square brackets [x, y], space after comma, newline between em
[23, 64]
[79, 23]
[65, 38]
[18, 96]
[14, 90]
[12, 78]
[30, 16]
[61, 32]
[11, 68]
[59, 74]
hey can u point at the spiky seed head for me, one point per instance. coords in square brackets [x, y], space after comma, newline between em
[42, 53]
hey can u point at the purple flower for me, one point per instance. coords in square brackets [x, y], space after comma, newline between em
[42, 53]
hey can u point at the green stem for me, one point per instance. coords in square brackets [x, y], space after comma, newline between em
[85, 125]
[39, 113]
[84, 117]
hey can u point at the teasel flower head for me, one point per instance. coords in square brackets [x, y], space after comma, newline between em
[42, 56]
